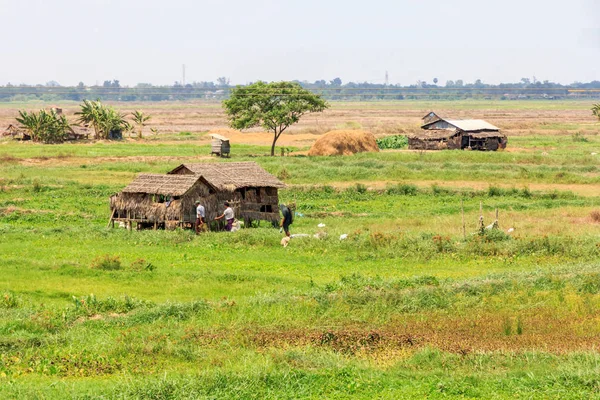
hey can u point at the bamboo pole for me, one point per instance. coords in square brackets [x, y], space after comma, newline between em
[112, 215]
[462, 211]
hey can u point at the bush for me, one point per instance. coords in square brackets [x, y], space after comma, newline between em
[142, 265]
[392, 142]
[107, 263]
[595, 215]
[403, 190]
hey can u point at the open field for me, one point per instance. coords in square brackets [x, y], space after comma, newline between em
[406, 307]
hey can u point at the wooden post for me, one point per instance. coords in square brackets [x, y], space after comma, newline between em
[462, 211]
[481, 224]
[112, 215]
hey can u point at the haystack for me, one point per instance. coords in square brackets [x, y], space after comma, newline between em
[344, 142]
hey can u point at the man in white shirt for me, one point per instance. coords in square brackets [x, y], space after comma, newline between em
[229, 216]
[200, 218]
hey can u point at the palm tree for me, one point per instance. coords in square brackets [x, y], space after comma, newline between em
[140, 120]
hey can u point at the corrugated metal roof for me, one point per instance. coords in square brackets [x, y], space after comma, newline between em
[217, 136]
[468, 125]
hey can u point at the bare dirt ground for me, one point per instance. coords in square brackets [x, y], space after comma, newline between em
[379, 118]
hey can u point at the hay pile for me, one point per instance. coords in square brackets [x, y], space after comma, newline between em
[344, 142]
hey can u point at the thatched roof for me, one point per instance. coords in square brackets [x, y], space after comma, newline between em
[174, 185]
[226, 176]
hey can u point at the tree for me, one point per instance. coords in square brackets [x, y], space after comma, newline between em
[140, 119]
[596, 110]
[106, 121]
[336, 82]
[435, 81]
[274, 106]
[223, 81]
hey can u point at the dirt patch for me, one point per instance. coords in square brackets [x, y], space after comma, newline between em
[344, 142]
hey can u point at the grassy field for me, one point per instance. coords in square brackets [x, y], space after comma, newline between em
[408, 306]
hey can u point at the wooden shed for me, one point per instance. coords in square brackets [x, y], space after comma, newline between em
[162, 201]
[473, 134]
[220, 145]
[246, 185]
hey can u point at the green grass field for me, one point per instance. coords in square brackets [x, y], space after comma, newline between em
[408, 306]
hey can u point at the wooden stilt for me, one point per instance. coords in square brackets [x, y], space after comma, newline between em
[462, 211]
[112, 215]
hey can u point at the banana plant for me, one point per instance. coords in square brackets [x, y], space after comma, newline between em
[140, 119]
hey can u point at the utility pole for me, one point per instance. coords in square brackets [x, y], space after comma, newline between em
[183, 75]
[387, 80]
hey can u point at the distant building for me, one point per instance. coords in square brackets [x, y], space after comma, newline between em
[473, 134]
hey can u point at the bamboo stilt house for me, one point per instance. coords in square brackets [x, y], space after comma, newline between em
[163, 201]
[253, 190]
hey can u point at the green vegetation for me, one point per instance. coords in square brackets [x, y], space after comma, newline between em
[273, 106]
[106, 121]
[44, 126]
[392, 142]
[408, 305]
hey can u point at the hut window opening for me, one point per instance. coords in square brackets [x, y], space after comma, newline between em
[268, 208]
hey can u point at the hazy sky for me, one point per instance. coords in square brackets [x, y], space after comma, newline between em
[149, 40]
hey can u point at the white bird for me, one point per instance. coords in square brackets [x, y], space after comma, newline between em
[344, 236]
[321, 225]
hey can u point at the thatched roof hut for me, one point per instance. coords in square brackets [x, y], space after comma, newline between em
[167, 201]
[246, 184]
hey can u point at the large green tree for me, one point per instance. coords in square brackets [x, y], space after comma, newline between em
[273, 106]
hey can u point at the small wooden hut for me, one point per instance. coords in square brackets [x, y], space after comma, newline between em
[163, 201]
[252, 190]
[220, 145]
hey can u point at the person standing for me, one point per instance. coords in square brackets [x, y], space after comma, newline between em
[200, 217]
[286, 219]
[229, 216]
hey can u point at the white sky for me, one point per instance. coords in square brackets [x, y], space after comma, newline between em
[246, 40]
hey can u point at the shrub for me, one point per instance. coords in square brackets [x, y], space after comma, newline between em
[578, 137]
[494, 191]
[392, 142]
[284, 174]
[142, 265]
[107, 263]
[403, 190]
[595, 215]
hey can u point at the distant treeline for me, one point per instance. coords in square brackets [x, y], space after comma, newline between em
[330, 90]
